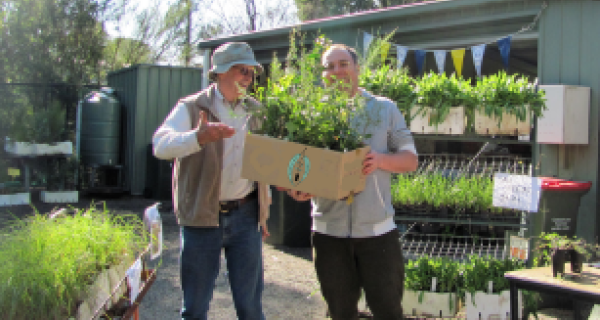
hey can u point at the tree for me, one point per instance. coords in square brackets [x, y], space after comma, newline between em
[190, 21]
[53, 41]
[316, 9]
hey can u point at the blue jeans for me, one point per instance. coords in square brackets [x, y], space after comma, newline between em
[200, 258]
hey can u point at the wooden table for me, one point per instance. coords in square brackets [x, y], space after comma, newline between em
[583, 286]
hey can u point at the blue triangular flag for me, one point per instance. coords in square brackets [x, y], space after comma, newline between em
[440, 59]
[504, 46]
[478, 57]
[402, 52]
[420, 56]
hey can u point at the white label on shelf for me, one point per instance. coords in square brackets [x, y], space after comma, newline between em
[134, 277]
[518, 192]
[519, 247]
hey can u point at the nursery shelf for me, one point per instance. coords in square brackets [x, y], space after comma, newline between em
[421, 219]
[473, 138]
[453, 247]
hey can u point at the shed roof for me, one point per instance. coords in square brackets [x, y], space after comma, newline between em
[428, 25]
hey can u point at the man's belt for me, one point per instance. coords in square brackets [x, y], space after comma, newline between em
[226, 206]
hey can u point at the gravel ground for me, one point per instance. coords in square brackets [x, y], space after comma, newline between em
[289, 281]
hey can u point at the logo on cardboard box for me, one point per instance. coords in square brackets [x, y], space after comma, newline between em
[298, 168]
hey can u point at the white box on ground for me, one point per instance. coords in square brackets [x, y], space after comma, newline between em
[566, 120]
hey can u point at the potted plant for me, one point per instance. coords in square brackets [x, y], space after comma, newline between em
[38, 132]
[431, 287]
[61, 181]
[311, 136]
[440, 104]
[486, 289]
[52, 267]
[49, 128]
[5, 199]
[558, 249]
[507, 103]
[393, 83]
[20, 136]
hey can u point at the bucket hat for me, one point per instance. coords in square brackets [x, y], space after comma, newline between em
[230, 54]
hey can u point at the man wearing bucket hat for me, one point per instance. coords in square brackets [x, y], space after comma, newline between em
[216, 208]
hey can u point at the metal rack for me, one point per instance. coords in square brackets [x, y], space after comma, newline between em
[454, 247]
[459, 247]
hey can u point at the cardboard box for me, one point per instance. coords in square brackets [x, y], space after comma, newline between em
[320, 172]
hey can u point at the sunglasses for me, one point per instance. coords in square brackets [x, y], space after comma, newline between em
[245, 71]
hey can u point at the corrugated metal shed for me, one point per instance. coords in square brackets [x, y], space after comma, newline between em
[147, 94]
[560, 50]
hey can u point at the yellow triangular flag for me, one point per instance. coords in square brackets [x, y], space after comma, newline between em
[458, 56]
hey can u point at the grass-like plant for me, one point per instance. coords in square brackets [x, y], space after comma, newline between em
[47, 264]
[460, 194]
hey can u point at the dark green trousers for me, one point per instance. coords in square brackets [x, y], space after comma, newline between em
[345, 265]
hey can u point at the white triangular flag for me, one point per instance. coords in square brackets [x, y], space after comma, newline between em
[367, 39]
[440, 59]
[478, 57]
[401, 52]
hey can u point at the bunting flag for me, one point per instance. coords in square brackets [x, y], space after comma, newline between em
[440, 59]
[420, 56]
[504, 46]
[401, 51]
[367, 39]
[478, 57]
[458, 55]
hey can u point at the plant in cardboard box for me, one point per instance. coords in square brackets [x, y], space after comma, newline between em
[58, 268]
[507, 103]
[432, 286]
[312, 134]
[440, 104]
[61, 181]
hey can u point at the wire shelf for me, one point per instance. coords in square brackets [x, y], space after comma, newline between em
[415, 245]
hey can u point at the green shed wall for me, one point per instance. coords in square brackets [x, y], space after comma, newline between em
[147, 94]
[568, 54]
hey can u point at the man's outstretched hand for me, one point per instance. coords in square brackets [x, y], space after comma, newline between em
[212, 131]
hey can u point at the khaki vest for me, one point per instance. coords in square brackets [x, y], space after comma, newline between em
[197, 177]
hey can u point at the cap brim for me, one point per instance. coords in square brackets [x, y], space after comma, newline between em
[225, 67]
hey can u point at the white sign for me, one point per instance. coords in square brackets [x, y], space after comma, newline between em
[516, 192]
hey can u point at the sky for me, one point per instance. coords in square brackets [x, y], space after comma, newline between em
[126, 28]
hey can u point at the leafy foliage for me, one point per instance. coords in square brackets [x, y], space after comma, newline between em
[52, 41]
[440, 93]
[315, 9]
[501, 94]
[37, 126]
[392, 83]
[299, 108]
[479, 271]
